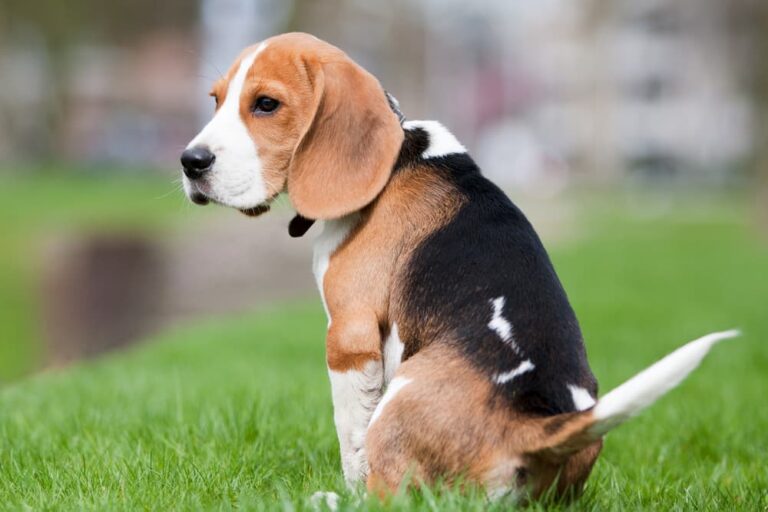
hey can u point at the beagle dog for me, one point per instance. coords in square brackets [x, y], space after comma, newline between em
[452, 350]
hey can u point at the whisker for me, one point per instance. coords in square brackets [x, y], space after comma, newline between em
[177, 186]
[174, 190]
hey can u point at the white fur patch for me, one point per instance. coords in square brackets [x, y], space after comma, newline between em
[501, 325]
[329, 498]
[503, 328]
[504, 493]
[355, 395]
[525, 366]
[441, 141]
[393, 354]
[498, 323]
[332, 236]
[582, 400]
[394, 387]
[649, 385]
[235, 178]
[499, 481]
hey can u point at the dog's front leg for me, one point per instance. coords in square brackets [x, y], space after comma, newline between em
[357, 376]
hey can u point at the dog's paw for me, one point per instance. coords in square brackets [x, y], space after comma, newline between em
[327, 498]
[355, 468]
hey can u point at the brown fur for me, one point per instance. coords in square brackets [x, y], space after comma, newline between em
[327, 101]
[443, 425]
[332, 145]
[347, 153]
[363, 270]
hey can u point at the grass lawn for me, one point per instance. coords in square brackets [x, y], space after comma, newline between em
[236, 413]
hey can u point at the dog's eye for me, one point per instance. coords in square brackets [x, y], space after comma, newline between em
[265, 105]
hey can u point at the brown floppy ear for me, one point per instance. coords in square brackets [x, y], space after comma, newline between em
[349, 147]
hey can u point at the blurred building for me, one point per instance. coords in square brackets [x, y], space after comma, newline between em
[543, 92]
[681, 103]
[557, 90]
[88, 82]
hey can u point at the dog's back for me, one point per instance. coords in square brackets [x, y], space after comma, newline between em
[484, 281]
[490, 340]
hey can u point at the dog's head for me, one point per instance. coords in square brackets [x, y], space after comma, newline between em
[294, 114]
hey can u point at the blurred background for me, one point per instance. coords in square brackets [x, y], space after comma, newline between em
[565, 103]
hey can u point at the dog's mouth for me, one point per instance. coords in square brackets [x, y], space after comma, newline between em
[298, 226]
[256, 210]
[200, 198]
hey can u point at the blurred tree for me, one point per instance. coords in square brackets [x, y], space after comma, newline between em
[62, 24]
[749, 29]
[99, 21]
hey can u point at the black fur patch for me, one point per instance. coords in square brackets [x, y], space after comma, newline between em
[415, 142]
[299, 226]
[490, 250]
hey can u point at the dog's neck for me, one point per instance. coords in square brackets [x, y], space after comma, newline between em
[415, 142]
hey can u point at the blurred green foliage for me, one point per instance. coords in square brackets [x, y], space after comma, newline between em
[93, 20]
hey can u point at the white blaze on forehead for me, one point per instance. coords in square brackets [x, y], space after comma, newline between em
[441, 141]
[236, 173]
[582, 400]
[228, 117]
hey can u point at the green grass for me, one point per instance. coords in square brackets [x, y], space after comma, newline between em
[236, 413]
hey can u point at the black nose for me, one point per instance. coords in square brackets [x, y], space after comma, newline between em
[196, 161]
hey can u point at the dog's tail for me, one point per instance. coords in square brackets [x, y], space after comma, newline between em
[570, 432]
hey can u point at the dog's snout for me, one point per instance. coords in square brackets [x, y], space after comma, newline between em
[196, 161]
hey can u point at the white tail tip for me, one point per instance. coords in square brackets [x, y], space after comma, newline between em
[649, 385]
